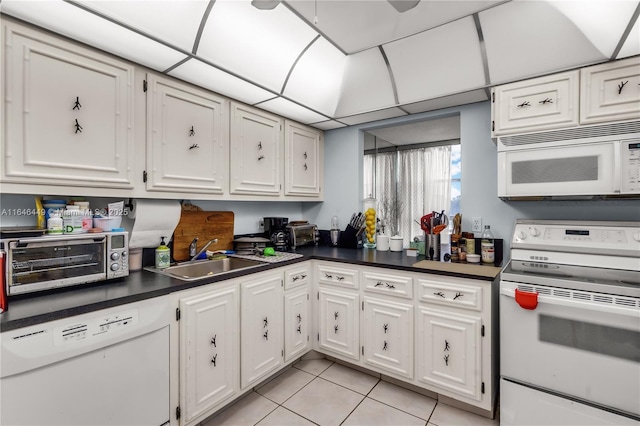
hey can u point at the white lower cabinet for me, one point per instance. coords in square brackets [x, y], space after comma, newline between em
[262, 327]
[387, 337]
[338, 322]
[209, 355]
[297, 322]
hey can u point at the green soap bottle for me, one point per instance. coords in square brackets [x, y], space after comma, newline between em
[163, 258]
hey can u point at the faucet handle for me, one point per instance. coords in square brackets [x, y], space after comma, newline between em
[193, 247]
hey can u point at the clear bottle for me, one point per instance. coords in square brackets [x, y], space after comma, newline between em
[487, 246]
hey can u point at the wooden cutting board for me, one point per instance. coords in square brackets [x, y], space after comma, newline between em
[204, 226]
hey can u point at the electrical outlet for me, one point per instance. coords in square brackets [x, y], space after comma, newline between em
[476, 224]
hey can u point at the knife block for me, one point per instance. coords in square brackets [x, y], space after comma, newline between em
[348, 238]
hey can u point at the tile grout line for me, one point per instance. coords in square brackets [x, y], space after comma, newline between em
[365, 397]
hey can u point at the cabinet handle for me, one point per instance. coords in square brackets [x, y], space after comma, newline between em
[304, 276]
[384, 347]
[335, 329]
[299, 329]
[77, 104]
[305, 167]
[446, 346]
[385, 328]
[524, 104]
[446, 360]
[261, 157]
[260, 146]
[378, 284]
[266, 335]
[299, 318]
[546, 101]
[339, 278]
[620, 86]
[192, 132]
[391, 286]
[195, 145]
[213, 341]
[305, 155]
[335, 315]
[213, 360]
[78, 127]
[328, 276]
[458, 294]
[439, 293]
[265, 321]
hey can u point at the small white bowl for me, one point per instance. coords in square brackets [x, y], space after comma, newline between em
[473, 258]
[107, 223]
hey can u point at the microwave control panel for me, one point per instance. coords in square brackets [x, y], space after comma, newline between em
[630, 167]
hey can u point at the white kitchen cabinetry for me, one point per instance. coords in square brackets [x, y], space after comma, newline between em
[303, 164]
[610, 91]
[262, 327]
[256, 151]
[387, 338]
[69, 113]
[543, 103]
[338, 322]
[209, 351]
[187, 138]
[297, 311]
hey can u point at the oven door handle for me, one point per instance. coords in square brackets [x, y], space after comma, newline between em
[545, 299]
[48, 242]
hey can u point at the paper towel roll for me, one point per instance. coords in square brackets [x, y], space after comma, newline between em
[150, 220]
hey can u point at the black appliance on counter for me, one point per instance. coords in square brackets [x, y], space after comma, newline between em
[275, 229]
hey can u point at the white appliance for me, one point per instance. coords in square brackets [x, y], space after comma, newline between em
[570, 324]
[585, 162]
[109, 367]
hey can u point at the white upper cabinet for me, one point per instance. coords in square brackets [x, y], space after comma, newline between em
[303, 160]
[610, 92]
[68, 117]
[187, 138]
[256, 150]
[537, 104]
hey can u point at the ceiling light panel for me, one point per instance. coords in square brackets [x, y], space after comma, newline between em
[204, 75]
[366, 85]
[175, 22]
[73, 22]
[528, 38]
[631, 45]
[260, 45]
[438, 62]
[316, 80]
[291, 110]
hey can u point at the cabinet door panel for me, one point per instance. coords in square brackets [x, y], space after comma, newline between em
[187, 138]
[262, 328]
[209, 351]
[339, 324]
[302, 170]
[297, 323]
[69, 115]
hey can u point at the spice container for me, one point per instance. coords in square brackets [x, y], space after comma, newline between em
[54, 223]
[455, 254]
[470, 242]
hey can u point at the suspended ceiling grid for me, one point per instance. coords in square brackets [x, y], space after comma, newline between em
[333, 63]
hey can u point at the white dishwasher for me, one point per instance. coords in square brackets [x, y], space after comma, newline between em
[109, 367]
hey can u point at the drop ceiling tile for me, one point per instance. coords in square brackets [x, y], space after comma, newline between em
[204, 75]
[631, 46]
[291, 110]
[328, 125]
[438, 62]
[68, 20]
[372, 116]
[260, 45]
[316, 80]
[366, 84]
[529, 38]
[457, 99]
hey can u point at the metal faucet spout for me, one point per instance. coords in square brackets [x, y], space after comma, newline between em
[193, 245]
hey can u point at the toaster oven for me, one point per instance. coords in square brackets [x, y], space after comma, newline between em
[303, 235]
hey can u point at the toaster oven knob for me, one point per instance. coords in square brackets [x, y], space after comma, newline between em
[115, 266]
[115, 256]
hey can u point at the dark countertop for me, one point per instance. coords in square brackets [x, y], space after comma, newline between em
[36, 308]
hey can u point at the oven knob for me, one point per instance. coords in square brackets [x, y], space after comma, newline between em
[115, 266]
[124, 254]
[534, 232]
[522, 235]
[115, 256]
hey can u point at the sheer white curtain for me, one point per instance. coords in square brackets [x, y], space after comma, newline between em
[384, 187]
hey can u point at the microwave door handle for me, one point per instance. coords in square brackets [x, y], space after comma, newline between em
[46, 242]
[617, 167]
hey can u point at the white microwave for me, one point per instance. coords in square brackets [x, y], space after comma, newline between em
[552, 165]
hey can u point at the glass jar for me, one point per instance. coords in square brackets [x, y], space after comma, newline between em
[487, 244]
[370, 223]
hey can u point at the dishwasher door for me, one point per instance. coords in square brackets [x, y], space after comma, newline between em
[105, 368]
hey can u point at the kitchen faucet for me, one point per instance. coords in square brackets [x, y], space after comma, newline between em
[194, 245]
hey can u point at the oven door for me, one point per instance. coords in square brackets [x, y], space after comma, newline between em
[580, 344]
[45, 263]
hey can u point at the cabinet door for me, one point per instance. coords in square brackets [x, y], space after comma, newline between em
[302, 160]
[543, 103]
[187, 138]
[208, 351]
[297, 323]
[69, 113]
[388, 336]
[610, 92]
[262, 328]
[256, 144]
[339, 325]
[449, 351]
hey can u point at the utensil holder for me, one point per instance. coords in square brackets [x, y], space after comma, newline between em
[432, 246]
[348, 238]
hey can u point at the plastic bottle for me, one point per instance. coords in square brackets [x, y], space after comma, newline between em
[72, 220]
[487, 246]
[54, 223]
[163, 258]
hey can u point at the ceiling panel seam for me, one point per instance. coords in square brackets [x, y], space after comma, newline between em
[391, 78]
[483, 49]
[313, 27]
[626, 33]
[286, 80]
[266, 100]
[203, 22]
[176, 65]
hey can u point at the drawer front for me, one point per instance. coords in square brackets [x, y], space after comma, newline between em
[337, 276]
[450, 294]
[297, 276]
[383, 283]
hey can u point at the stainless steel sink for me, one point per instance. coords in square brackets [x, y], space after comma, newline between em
[199, 269]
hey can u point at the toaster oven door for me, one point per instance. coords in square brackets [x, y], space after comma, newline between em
[40, 265]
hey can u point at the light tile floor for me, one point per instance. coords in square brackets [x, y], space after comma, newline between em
[320, 392]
